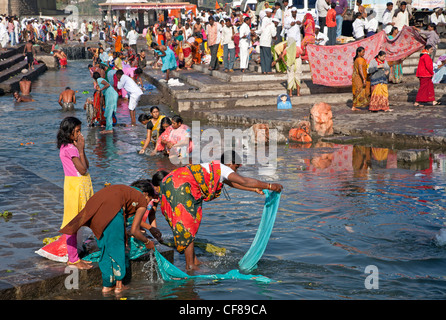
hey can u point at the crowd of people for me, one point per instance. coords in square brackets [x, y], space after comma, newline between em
[217, 38]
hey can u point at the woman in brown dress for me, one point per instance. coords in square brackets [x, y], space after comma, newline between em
[105, 214]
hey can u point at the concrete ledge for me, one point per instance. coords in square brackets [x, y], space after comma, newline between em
[413, 155]
[49, 277]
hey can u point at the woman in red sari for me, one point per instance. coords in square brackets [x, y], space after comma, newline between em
[183, 191]
[425, 73]
[309, 34]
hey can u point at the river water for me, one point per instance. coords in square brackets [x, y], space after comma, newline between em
[347, 212]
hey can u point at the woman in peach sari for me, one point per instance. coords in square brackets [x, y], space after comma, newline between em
[360, 82]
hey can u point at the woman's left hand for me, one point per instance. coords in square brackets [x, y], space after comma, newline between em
[276, 187]
[150, 245]
[156, 233]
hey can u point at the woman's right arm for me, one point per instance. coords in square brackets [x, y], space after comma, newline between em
[147, 142]
[242, 183]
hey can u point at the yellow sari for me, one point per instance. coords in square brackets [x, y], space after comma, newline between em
[156, 128]
[361, 94]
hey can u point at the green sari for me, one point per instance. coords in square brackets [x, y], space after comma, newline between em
[112, 259]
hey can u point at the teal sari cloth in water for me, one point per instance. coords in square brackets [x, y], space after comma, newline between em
[248, 263]
[136, 248]
[258, 246]
[169, 272]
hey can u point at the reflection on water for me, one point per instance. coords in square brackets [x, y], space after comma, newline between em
[343, 208]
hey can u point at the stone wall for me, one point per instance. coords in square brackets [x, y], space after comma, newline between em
[22, 7]
[27, 7]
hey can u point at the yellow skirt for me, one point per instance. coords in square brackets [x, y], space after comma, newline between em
[380, 98]
[77, 191]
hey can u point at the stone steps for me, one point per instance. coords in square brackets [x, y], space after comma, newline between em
[10, 61]
[10, 51]
[205, 89]
[250, 102]
[11, 83]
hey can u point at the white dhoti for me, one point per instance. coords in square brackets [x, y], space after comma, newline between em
[294, 74]
[134, 100]
[244, 53]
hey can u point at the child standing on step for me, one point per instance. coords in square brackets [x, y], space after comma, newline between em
[77, 183]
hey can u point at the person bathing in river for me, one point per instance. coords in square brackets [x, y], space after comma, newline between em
[19, 98]
[183, 191]
[177, 141]
[25, 86]
[67, 99]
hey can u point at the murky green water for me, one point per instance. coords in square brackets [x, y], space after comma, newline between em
[343, 208]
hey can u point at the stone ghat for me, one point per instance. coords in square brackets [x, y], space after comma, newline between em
[251, 98]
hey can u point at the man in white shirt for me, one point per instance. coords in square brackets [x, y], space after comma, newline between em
[371, 24]
[84, 27]
[387, 18]
[245, 38]
[132, 36]
[266, 38]
[16, 30]
[267, 19]
[322, 7]
[358, 26]
[438, 19]
[320, 37]
[133, 90]
[286, 10]
[3, 34]
[187, 31]
[278, 14]
[292, 26]
[227, 41]
[401, 18]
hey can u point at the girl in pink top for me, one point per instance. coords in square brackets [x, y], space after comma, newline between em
[77, 182]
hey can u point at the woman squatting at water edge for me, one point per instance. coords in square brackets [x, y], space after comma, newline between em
[106, 213]
[182, 192]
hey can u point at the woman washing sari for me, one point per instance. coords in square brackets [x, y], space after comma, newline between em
[183, 191]
[378, 71]
[396, 67]
[153, 126]
[360, 82]
[105, 214]
[309, 34]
